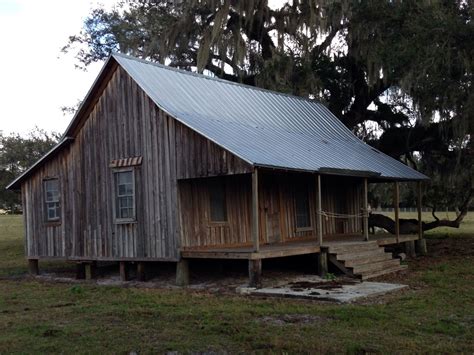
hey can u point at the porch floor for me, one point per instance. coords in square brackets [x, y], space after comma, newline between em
[247, 252]
[289, 248]
[381, 239]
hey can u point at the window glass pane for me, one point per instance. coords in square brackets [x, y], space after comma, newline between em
[218, 202]
[58, 210]
[125, 177]
[121, 190]
[52, 185]
[125, 195]
[128, 189]
[55, 194]
[51, 198]
[125, 202]
[302, 207]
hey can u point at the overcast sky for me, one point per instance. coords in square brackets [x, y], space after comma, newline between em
[36, 79]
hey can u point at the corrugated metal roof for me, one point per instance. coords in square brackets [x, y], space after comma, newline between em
[264, 128]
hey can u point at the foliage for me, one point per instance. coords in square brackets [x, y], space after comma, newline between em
[18, 153]
[330, 276]
[398, 73]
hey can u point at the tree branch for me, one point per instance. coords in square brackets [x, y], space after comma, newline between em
[410, 226]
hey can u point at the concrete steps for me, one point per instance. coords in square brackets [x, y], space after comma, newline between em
[363, 260]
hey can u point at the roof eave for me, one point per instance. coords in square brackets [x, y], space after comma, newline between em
[374, 176]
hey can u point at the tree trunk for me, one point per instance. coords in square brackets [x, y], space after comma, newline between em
[410, 226]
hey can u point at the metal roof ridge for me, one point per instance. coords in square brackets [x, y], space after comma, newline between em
[202, 76]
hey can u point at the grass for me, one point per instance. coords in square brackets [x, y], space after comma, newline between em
[435, 315]
[466, 229]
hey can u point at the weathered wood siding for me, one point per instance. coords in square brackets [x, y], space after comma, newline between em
[197, 228]
[122, 123]
[197, 156]
[343, 196]
[276, 209]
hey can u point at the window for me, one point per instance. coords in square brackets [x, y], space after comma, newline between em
[125, 195]
[51, 199]
[303, 218]
[218, 202]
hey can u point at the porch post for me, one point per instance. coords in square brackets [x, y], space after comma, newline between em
[255, 272]
[420, 243]
[319, 217]
[418, 206]
[396, 198]
[366, 210]
[255, 226]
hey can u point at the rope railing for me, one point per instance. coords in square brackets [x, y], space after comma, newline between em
[363, 214]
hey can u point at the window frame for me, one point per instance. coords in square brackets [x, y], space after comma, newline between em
[46, 202]
[212, 186]
[296, 192]
[117, 218]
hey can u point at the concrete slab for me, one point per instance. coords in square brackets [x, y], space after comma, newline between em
[316, 288]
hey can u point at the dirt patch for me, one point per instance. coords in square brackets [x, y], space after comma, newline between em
[323, 285]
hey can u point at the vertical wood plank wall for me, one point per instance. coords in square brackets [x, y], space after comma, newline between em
[276, 210]
[123, 123]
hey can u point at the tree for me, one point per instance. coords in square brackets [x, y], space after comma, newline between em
[397, 73]
[18, 153]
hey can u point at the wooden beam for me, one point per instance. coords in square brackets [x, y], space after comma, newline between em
[418, 206]
[255, 212]
[90, 270]
[410, 249]
[182, 272]
[323, 262]
[366, 210]
[33, 266]
[124, 272]
[396, 198]
[255, 273]
[80, 271]
[265, 253]
[141, 273]
[319, 217]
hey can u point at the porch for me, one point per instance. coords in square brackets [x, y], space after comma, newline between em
[271, 214]
[293, 248]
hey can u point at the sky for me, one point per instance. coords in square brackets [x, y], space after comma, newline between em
[36, 79]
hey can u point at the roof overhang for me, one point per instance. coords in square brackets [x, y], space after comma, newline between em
[372, 176]
[349, 172]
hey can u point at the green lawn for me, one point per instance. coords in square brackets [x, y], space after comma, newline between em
[466, 229]
[436, 315]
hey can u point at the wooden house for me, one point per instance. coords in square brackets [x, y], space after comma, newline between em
[160, 164]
